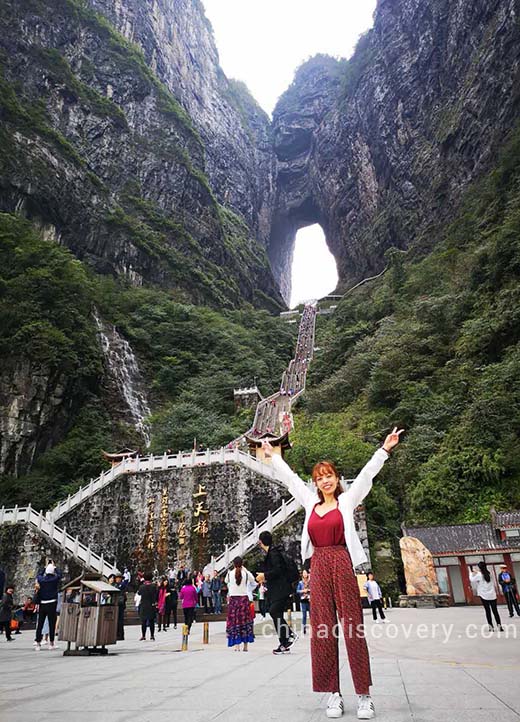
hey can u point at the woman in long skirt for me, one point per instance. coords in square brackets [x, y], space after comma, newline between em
[329, 536]
[239, 625]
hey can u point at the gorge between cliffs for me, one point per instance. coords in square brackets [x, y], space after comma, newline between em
[149, 209]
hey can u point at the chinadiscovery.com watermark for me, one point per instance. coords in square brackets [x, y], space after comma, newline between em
[439, 631]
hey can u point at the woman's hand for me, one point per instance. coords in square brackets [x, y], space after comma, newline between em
[392, 439]
[268, 449]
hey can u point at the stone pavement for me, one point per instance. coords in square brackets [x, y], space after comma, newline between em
[421, 673]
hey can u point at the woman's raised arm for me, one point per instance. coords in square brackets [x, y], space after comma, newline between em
[296, 486]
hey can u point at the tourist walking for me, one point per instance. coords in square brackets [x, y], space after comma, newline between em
[6, 612]
[189, 597]
[148, 594]
[239, 624]
[329, 536]
[121, 584]
[304, 593]
[375, 597]
[171, 605]
[262, 602]
[47, 603]
[216, 592]
[162, 601]
[507, 582]
[207, 595]
[485, 588]
[279, 590]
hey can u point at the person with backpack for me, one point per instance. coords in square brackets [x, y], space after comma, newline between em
[329, 536]
[507, 583]
[485, 589]
[279, 574]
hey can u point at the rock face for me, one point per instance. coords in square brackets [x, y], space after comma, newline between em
[36, 406]
[380, 149]
[418, 565]
[107, 161]
[178, 44]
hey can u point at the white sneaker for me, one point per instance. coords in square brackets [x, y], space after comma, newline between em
[335, 706]
[37, 647]
[53, 646]
[377, 621]
[366, 709]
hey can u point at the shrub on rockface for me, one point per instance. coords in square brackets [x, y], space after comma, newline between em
[437, 352]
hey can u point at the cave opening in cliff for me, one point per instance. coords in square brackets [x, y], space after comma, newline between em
[314, 273]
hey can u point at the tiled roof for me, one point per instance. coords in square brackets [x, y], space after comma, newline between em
[506, 519]
[460, 538]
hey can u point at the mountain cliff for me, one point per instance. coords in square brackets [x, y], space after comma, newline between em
[149, 207]
[379, 149]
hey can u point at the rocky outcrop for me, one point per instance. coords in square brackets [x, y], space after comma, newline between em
[178, 44]
[102, 156]
[380, 149]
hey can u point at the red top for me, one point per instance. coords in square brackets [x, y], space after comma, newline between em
[327, 530]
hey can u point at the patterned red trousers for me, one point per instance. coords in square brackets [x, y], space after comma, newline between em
[335, 595]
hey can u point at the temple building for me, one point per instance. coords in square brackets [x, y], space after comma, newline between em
[457, 547]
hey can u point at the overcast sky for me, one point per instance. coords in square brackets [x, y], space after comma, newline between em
[262, 43]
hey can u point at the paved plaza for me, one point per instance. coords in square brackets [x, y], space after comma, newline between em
[421, 672]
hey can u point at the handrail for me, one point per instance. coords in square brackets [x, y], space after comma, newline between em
[159, 463]
[70, 545]
[246, 542]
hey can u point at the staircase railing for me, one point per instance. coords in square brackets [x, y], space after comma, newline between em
[250, 540]
[160, 463]
[69, 544]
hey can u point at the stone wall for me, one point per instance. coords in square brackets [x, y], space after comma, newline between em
[138, 520]
[24, 552]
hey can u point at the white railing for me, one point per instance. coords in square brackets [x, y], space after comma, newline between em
[69, 544]
[246, 542]
[160, 463]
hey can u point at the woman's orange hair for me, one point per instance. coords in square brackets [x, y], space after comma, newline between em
[326, 467]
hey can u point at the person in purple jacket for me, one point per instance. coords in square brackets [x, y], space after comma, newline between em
[189, 597]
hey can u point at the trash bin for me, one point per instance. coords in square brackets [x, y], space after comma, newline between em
[96, 611]
[69, 615]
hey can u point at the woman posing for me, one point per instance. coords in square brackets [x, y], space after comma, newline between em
[239, 624]
[488, 595]
[329, 536]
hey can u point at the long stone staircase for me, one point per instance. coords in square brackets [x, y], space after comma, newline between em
[267, 424]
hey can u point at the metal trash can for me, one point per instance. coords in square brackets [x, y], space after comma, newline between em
[93, 618]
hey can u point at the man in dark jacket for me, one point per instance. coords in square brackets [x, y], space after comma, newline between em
[47, 603]
[120, 584]
[6, 612]
[278, 591]
[507, 583]
[148, 606]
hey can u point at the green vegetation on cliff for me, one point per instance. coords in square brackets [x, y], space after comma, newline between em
[434, 346]
[191, 357]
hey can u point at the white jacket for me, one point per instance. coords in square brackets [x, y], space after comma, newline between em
[485, 590]
[347, 502]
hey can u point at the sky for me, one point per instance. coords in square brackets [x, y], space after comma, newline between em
[262, 43]
[314, 271]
